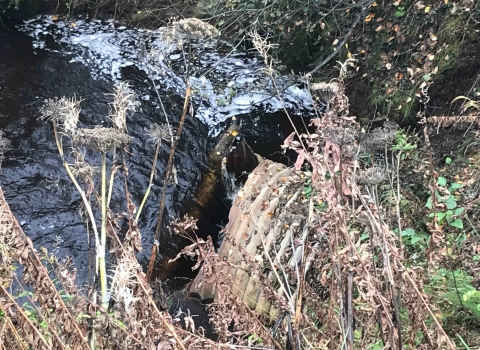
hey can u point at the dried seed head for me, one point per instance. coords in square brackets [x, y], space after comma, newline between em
[372, 176]
[124, 101]
[102, 139]
[160, 132]
[123, 281]
[84, 171]
[190, 28]
[340, 135]
[325, 91]
[380, 137]
[64, 112]
[4, 144]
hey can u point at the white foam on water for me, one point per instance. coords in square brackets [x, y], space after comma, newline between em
[223, 85]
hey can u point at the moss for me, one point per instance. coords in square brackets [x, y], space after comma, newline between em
[449, 36]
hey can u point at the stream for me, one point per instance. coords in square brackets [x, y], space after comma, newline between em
[46, 58]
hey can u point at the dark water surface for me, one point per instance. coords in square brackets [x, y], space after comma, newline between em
[35, 182]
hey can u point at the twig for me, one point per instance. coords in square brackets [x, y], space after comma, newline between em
[358, 16]
[165, 184]
[440, 328]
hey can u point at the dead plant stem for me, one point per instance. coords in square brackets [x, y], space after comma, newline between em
[150, 183]
[165, 183]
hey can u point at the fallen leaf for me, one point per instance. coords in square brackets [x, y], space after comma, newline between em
[369, 17]
[419, 5]
[396, 3]
[388, 66]
[322, 25]
[375, 4]
[55, 18]
[409, 99]
[433, 37]
[396, 28]
[349, 54]
[427, 9]
[335, 42]
[447, 57]
[379, 28]
[390, 39]
[73, 24]
[431, 56]
[399, 76]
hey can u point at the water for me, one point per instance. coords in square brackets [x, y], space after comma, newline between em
[45, 59]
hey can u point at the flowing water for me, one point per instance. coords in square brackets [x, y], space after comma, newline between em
[43, 58]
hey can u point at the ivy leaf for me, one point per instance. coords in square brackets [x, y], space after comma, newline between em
[457, 223]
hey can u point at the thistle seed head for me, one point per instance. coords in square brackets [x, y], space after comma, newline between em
[102, 139]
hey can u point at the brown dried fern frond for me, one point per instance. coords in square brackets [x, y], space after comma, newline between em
[454, 120]
[48, 298]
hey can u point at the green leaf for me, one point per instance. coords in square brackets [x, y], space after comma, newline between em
[221, 23]
[442, 181]
[455, 186]
[449, 215]
[457, 223]
[450, 202]
[427, 77]
[415, 239]
[448, 160]
[408, 232]
[429, 203]
[458, 211]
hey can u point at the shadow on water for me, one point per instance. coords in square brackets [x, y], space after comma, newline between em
[35, 182]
